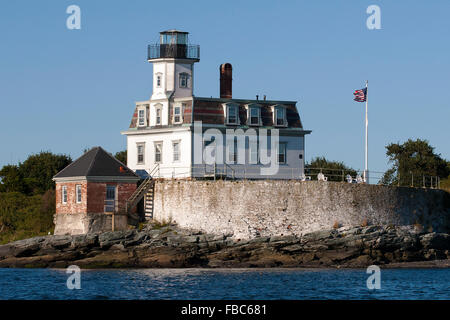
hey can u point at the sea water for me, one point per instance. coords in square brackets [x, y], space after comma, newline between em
[224, 284]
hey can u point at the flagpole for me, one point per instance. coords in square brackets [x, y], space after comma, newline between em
[366, 158]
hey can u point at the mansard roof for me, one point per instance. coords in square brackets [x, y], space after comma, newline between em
[211, 111]
[96, 163]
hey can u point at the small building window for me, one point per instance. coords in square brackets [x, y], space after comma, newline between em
[158, 152]
[110, 200]
[78, 193]
[141, 117]
[177, 114]
[254, 116]
[232, 114]
[183, 80]
[140, 153]
[64, 195]
[158, 80]
[158, 116]
[176, 151]
[280, 116]
[282, 153]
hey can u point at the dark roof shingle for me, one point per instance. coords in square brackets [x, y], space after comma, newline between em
[96, 163]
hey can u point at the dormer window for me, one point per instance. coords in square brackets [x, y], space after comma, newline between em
[280, 116]
[254, 115]
[141, 117]
[158, 116]
[183, 80]
[177, 114]
[232, 114]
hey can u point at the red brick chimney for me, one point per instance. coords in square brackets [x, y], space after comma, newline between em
[226, 78]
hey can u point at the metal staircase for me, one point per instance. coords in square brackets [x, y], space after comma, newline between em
[145, 189]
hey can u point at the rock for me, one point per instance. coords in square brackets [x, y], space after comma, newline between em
[175, 247]
[434, 240]
[292, 248]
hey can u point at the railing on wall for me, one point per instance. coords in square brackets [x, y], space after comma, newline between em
[236, 171]
[180, 51]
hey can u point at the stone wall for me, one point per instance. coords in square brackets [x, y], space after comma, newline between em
[82, 223]
[247, 209]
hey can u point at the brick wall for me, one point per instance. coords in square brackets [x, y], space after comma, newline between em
[97, 195]
[71, 206]
[93, 195]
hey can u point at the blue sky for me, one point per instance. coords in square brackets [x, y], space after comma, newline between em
[66, 90]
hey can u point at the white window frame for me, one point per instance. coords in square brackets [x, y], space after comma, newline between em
[285, 153]
[144, 117]
[249, 115]
[180, 107]
[78, 193]
[64, 195]
[275, 116]
[228, 106]
[185, 76]
[233, 152]
[158, 108]
[140, 144]
[156, 143]
[176, 156]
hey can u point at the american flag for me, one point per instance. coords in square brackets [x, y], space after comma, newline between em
[360, 95]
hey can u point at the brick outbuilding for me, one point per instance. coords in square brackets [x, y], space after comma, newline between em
[91, 194]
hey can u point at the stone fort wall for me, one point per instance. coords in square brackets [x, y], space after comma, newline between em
[247, 209]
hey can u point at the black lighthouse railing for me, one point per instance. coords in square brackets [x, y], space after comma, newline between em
[177, 51]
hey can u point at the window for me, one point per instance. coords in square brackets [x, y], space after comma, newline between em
[254, 116]
[176, 151]
[158, 80]
[64, 194]
[177, 114]
[280, 116]
[158, 116]
[141, 117]
[140, 153]
[158, 152]
[110, 201]
[253, 152]
[78, 193]
[282, 153]
[232, 152]
[183, 80]
[232, 114]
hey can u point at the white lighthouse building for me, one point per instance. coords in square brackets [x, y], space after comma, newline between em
[175, 134]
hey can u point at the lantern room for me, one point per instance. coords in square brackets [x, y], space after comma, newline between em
[173, 44]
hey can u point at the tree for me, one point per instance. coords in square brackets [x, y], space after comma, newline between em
[121, 156]
[39, 169]
[413, 160]
[11, 179]
[34, 175]
[334, 170]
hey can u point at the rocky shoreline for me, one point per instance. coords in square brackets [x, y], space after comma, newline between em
[172, 247]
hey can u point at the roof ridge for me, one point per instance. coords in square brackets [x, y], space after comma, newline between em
[93, 161]
[70, 164]
[117, 160]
